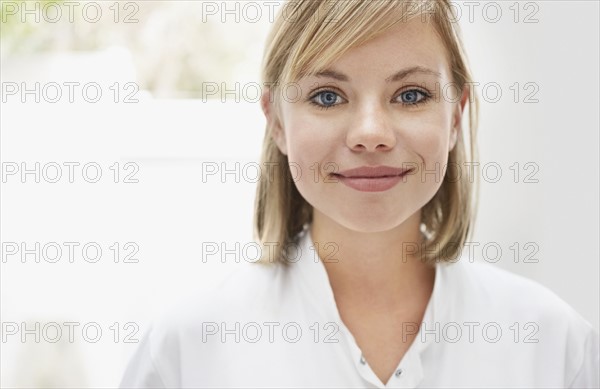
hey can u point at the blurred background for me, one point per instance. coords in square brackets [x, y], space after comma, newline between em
[155, 95]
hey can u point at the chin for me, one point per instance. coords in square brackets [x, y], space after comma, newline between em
[368, 222]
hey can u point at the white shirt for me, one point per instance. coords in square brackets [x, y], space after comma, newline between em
[280, 327]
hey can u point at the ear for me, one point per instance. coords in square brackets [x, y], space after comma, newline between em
[457, 117]
[273, 121]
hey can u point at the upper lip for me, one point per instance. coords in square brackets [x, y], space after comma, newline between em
[372, 172]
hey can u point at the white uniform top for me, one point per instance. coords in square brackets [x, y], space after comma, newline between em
[280, 327]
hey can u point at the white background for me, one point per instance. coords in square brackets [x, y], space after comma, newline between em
[170, 212]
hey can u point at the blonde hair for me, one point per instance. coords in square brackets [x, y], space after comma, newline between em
[319, 33]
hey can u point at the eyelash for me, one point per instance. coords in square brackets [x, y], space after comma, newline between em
[426, 97]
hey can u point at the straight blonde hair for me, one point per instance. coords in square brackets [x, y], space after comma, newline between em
[307, 37]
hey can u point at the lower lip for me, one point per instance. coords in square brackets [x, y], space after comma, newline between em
[378, 184]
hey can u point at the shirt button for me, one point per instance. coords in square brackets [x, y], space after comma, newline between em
[398, 372]
[362, 360]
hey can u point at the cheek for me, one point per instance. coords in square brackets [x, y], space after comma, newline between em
[309, 141]
[429, 136]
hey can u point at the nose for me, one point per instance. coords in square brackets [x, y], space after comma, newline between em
[371, 129]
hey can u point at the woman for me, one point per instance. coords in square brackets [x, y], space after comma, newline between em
[362, 282]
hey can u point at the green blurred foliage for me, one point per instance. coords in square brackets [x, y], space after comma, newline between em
[174, 51]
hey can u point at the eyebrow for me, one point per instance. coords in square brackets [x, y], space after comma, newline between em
[393, 78]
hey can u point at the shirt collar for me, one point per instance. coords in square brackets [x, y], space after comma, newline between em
[314, 277]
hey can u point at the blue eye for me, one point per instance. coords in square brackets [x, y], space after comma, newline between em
[411, 97]
[325, 99]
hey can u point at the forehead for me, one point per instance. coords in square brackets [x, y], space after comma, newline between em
[406, 44]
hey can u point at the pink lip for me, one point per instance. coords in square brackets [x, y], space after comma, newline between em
[372, 179]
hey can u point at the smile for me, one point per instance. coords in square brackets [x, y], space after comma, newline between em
[372, 179]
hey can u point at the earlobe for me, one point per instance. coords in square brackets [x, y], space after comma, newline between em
[277, 133]
[278, 136]
[453, 137]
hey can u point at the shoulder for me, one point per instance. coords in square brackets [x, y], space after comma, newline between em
[528, 313]
[248, 288]
[485, 284]
[189, 330]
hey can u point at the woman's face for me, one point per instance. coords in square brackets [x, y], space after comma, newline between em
[385, 103]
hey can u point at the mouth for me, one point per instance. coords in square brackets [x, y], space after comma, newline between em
[373, 172]
[372, 179]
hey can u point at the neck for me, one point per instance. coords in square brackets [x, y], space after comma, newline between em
[376, 270]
